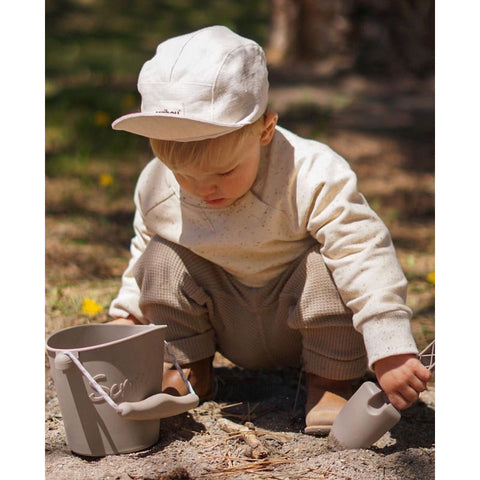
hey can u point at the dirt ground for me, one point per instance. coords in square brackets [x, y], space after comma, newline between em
[193, 446]
[385, 130]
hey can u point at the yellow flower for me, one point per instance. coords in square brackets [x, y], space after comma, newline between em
[431, 278]
[90, 307]
[105, 180]
[101, 119]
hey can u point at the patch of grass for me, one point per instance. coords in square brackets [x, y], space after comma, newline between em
[64, 303]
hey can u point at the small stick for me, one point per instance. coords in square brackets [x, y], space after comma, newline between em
[248, 434]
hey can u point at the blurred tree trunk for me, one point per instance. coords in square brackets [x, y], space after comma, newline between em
[306, 29]
[378, 36]
[394, 37]
[283, 39]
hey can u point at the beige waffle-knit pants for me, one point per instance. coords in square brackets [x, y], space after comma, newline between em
[297, 319]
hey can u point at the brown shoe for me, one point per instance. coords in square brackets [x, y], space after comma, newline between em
[199, 374]
[325, 399]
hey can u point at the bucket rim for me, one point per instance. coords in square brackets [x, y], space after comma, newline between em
[145, 329]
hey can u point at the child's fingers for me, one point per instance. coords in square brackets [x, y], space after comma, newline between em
[403, 383]
[417, 384]
[416, 368]
[419, 378]
[423, 373]
[404, 398]
[398, 401]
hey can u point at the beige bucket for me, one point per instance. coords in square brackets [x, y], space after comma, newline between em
[109, 381]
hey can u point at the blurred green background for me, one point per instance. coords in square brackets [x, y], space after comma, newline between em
[94, 51]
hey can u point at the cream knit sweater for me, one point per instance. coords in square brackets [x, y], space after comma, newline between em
[304, 193]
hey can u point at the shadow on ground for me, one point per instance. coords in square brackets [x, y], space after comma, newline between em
[274, 400]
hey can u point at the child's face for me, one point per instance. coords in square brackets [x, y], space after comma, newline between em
[220, 187]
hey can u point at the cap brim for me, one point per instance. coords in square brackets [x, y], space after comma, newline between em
[166, 127]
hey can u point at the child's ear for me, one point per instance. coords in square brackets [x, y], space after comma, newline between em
[269, 125]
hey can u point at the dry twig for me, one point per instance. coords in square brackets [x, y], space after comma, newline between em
[248, 434]
[253, 467]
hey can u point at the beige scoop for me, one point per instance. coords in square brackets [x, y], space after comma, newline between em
[368, 414]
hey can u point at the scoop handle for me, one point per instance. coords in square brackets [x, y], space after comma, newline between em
[157, 406]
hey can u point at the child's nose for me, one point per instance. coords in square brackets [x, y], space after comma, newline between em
[205, 187]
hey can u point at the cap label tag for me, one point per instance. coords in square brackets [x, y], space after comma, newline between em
[170, 108]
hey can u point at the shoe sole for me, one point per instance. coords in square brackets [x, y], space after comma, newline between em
[318, 430]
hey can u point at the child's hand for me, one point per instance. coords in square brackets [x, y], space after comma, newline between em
[402, 378]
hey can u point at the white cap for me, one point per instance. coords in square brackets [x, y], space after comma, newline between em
[200, 85]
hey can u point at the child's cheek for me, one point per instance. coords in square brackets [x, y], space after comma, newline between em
[230, 185]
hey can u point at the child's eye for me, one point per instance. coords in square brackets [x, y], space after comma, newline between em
[225, 174]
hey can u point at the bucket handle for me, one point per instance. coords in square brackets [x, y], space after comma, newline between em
[154, 407]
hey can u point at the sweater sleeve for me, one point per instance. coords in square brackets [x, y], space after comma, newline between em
[358, 250]
[127, 301]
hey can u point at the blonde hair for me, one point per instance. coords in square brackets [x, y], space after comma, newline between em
[204, 153]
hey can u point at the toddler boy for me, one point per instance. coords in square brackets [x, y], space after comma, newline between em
[254, 242]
